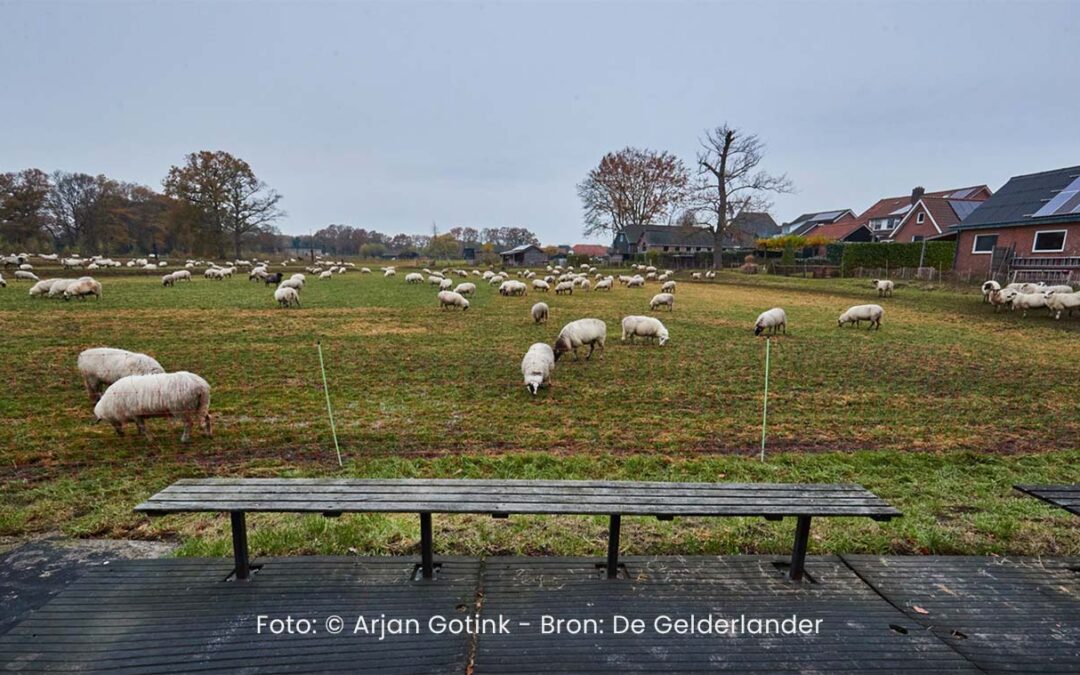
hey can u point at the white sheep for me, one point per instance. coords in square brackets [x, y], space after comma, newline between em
[1060, 302]
[661, 299]
[668, 287]
[604, 284]
[1002, 298]
[101, 366]
[445, 284]
[167, 280]
[23, 275]
[541, 285]
[646, 327]
[566, 287]
[592, 332]
[365, 270]
[137, 397]
[860, 313]
[389, 272]
[512, 287]
[51, 288]
[989, 287]
[1026, 301]
[540, 312]
[537, 367]
[181, 275]
[774, 319]
[3, 284]
[465, 288]
[286, 295]
[82, 288]
[586, 284]
[884, 287]
[448, 299]
[326, 275]
[636, 282]
[292, 282]
[711, 274]
[414, 278]
[695, 275]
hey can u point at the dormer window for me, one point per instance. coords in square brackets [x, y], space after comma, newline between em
[920, 218]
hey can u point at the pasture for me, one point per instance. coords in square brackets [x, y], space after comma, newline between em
[939, 412]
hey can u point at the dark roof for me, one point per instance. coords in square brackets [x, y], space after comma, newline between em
[521, 249]
[756, 224]
[1020, 198]
[809, 221]
[671, 235]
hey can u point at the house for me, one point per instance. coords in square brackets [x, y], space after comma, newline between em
[749, 226]
[1030, 226]
[933, 218]
[808, 221]
[885, 216]
[845, 230]
[674, 240]
[526, 255]
[590, 250]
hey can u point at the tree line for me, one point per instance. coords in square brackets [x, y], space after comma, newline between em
[347, 240]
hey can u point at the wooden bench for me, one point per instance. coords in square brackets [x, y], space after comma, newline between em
[1063, 496]
[502, 498]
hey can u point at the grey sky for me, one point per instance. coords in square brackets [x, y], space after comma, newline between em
[391, 116]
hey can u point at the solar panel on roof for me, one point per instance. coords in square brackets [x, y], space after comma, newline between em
[963, 208]
[960, 194]
[827, 215]
[1066, 201]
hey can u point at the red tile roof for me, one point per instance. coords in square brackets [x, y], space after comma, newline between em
[886, 206]
[836, 231]
[592, 250]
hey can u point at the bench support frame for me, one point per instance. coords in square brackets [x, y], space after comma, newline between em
[614, 524]
[798, 553]
[427, 552]
[241, 566]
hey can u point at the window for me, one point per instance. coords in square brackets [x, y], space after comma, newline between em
[984, 243]
[920, 218]
[665, 248]
[1049, 241]
[917, 237]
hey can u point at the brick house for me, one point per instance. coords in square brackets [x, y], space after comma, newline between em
[1030, 229]
[884, 217]
[933, 217]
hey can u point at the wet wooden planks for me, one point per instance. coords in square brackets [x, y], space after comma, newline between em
[1004, 614]
[1063, 496]
[859, 631]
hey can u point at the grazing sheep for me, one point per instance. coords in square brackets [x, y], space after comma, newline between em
[564, 287]
[292, 282]
[414, 278]
[661, 299]
[167, 280]
[3, 284]
[101, 366]
[54, 288]
[326, 275]
[695, 275]
[23, 275]
[449, 299]
[586, 284]
[287, 295]
[989, 287]
[860, 313]
[274, 278]
[181, 275]
[772, 319]
[579, 333]
[541, 285]
[136, 397]
[537, 366]
[82, 288]
[389, 272]
[512, 287]
[540, 312]
[365, 270]
[1026, 301]
[711, 274]
[604, 284]
[636, 282]
[644, 326]
[668, 287]
[1059, 302]
[445, 284]
[884, 287]
[465, 288]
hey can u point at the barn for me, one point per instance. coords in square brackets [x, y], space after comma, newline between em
[526, 255]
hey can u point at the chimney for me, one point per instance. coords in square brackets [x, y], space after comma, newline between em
[917, 193]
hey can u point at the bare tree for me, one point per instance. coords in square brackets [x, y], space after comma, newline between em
[632, 187]
[730, 181]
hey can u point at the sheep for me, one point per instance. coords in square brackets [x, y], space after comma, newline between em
[695, 275]
[389, 272]
[449, 299]
[540, 312]
[579, 333]
[101, 366]
[604, 284]
[859, 313]
[773, 319]
[274, 278]
[1059, 302]
[167, 280]
[465, 288]
[1026, 301]
[989, 287]
[445, 284]
[1002, 298]
[585, 284]
[82, 288]
[292, 283]
[668, 287]
[365, 270]
[414, 278]
[711, 274]
[884, 287]
[50, 288]
[661, 299]
[3, 284]
[541, 285]
[644, 326]
[214, 273]
[1061, 288]
[564, 287]
[137, 397]
[326, 275]
[512, 287]
[286, 295]
[537, 366]
[636, 282]
[300, 276]
[257, 274]
[181, 275]
[23, 275]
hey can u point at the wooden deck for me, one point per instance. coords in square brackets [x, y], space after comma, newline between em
[915, 614]
[1063, 496]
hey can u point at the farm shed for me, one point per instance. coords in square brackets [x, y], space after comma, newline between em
[526, 255]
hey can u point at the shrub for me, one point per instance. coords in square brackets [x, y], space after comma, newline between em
[939, 254]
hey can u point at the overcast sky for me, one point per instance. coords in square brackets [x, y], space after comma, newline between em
[391, 116]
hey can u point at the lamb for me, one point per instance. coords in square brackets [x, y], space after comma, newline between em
[644, 326]
[537, 366]
[23, 275]
[566, 287]
[286, 295]
[540, 312]
[859, 313]
[451, 299]
[989, 287]
[137, 397]
[466, 289]
[101, 366]
[592, 332]
[772, 319]
[1060, 302]
[884, 287]
[82, 288]
[541, 285]
[661, 299]
[668, 287]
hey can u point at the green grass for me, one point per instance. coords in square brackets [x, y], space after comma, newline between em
[939, 412]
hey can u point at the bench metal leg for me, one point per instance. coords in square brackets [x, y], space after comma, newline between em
[241, 568]
[798, 554]
[613, 547]
[427, 555]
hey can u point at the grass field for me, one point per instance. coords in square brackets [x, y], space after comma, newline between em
[939, 412]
